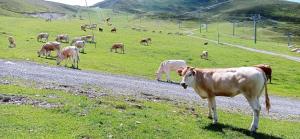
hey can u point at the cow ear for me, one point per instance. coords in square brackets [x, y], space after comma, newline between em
[193, 71]
[179, 71]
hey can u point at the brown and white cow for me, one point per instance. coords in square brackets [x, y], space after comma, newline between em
[117, 46]
[11, 42]
[204, 55]
[167, 66]
[62, 38]
[70, 53]
[267, 69]
[48, 47]
[42, 37]
[209, 83]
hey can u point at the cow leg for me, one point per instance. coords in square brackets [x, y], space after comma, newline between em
[168, 76]
[209, 109]
[214, 109]
[254, 103]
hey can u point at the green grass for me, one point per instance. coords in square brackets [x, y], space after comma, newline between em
[117, 117]
[140, 60]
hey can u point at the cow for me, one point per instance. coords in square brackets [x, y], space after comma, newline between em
[82, 38]
[228, 82]
[89, 38]
[92, 26]
[113, 30]
[204, 55]
[206, 43]
[83, 27]
[62, 38]
[11, 42]
[107, 19]
[100, 29]
[48, 47]
[167, 66]
[144, 42]
[267, 69]
[42, 36]
[80, 45]
[117, 46]
[69, 53]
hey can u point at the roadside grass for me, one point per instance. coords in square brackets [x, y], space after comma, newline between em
[124, 117]
[138, 60]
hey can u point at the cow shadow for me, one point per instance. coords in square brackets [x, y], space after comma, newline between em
[219, 127]
[169, 82]
[51, 58]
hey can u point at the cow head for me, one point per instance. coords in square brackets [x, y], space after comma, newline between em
[188, 76]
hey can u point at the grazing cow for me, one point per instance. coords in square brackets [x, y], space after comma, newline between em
[80, 45]
[48, 47]
[107, 19]
[42, 36]
[144, 42]
[83, 27]
[206, 43]
[204, 55]
[69, 53]
[167, 66]
[62, 38]
[209, 83]
[100, 29]
[267, 69]
[117, 46]
[12, 42]
[113, 30]
[90, 38]
[82, 38]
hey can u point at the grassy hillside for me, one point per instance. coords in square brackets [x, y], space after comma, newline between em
[286, 81]
[272, 9]
[17, 7]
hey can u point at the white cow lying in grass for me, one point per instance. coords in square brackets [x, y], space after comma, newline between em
[169, 65]
[69, 53]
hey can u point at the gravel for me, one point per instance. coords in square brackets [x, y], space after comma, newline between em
[61, 77]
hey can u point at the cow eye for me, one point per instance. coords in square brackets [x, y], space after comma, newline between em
[190, 75]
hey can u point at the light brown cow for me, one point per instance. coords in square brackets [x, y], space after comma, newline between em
[62, 38]
[48, 47]
[209, 83]
[117, 46]
[70, 53]
[267, 69]
[12, 42]
[42, 37]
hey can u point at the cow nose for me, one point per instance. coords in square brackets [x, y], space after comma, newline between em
[183, 85]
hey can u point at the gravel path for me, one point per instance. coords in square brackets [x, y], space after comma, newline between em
[281, 108]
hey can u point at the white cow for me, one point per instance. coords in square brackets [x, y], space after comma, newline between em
[167, 66]
[209, 83]
[204, 55]
[80, 45]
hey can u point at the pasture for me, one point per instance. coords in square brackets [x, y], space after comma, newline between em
[139, 60]
[79, 116]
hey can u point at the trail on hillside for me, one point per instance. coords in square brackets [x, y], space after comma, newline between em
[293, 58]
[281, 108]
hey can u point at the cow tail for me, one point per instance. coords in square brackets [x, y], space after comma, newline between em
[268, 105]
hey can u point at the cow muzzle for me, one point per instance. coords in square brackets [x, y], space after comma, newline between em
[183, 85]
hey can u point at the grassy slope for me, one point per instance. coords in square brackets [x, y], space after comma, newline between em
[138, 60]
[105, 118]
[15, 7]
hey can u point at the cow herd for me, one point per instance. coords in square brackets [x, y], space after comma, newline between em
[207, 83]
